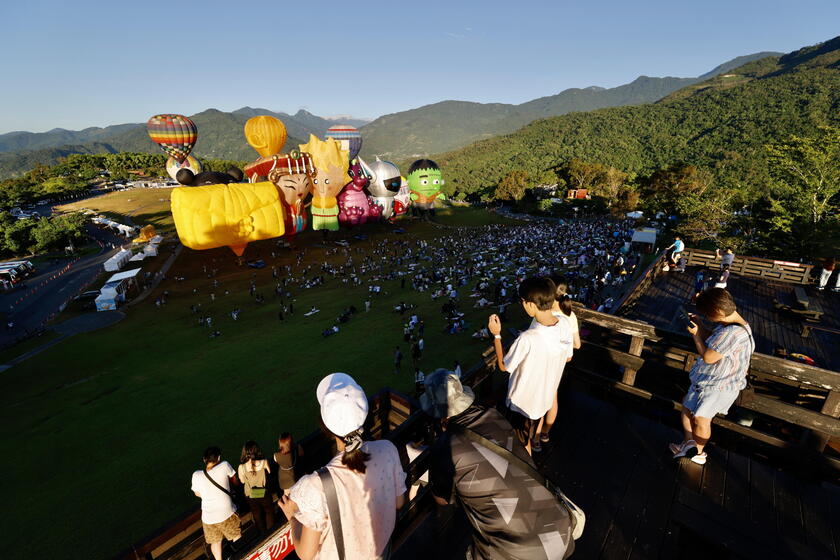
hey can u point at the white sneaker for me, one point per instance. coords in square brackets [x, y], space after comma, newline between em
[700, 459]
[682, 449]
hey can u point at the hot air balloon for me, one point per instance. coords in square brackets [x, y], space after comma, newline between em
[191, 163]
[265, 134]
[175, 134]
[348, 136]
[230, 215]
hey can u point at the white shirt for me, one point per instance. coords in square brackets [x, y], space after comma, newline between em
[216, 506]
[367, 503]
[535, 361]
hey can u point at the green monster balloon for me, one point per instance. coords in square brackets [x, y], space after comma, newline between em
[424, 182]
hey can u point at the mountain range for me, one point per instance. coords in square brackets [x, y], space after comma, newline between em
[722, 124]
[448, 125]
[426, 130]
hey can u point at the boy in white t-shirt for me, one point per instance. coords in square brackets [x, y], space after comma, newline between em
[535, 360]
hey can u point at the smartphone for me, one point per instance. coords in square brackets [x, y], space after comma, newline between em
[684, 316]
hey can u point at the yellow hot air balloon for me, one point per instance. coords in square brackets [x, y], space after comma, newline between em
[227, 215]
[265, 134]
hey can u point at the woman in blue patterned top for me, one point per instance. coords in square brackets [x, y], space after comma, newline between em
[718, 375]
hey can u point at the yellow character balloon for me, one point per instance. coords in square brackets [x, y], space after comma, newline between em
[227, 215]
[331, 164]
[265, 134]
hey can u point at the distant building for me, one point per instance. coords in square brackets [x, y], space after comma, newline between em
[577, 193]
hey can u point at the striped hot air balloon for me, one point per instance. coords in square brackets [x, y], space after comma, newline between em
[175, 134]
[348, 136]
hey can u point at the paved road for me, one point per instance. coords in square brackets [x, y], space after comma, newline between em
[31, 313]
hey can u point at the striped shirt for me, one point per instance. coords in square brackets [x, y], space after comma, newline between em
[735, 343]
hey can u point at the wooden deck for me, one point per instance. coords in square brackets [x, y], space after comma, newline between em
[659, 302]
[641, 504]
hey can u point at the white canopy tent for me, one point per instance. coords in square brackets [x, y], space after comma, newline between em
[644, 235]
[118, 260]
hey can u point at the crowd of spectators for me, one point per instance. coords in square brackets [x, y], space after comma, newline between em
[348, 508]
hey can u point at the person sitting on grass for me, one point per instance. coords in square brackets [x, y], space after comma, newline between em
[718, 375]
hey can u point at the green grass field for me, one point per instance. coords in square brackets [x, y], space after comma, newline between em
[103, 430]
[145, 206]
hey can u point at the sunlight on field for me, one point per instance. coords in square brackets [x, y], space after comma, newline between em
[144, 397]
[144, 206]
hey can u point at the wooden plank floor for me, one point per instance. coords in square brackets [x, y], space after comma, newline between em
[641, 504]
[658, 306]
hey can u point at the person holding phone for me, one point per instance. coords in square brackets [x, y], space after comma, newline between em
[718, 375]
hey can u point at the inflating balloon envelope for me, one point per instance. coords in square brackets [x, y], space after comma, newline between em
[231, 215]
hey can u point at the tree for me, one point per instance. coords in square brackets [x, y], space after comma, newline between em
[627, 200]
[705, 216]
[666, 187]
[513, 186]
[806, 177]
[609, 184]
[582, 174]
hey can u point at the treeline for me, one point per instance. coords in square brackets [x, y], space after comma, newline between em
[704, 156]
[19, 237]
[796, 212]
[76, 173]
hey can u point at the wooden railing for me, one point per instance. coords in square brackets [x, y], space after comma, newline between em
[650, 275]
[645, 364]
[624, 349]
[791, 272]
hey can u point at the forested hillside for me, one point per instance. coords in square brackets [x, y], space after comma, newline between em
[721, 127]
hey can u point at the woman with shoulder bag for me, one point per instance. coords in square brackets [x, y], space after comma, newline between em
[254, 472]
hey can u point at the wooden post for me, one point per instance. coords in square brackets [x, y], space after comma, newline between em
[637, 343]
[831, 407]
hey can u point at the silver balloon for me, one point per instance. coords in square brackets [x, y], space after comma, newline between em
[385, 182]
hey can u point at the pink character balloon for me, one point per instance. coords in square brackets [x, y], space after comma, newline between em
[354, 206]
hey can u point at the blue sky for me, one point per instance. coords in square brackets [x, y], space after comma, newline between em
[81, 63]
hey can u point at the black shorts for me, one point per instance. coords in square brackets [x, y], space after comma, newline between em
[524, 428]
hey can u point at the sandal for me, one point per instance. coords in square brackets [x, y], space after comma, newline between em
[535, 445]
[544, 438]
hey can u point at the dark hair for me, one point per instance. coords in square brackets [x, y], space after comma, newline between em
[212, 454]
[561, 287]
[715, 301]
[354, 460]
[422, 164]
[539, 291]
[285, 436]
[251, 452]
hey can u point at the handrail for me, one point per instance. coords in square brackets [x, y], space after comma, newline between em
[785, 271]
[649, 347]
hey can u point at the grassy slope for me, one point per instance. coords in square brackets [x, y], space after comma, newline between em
[106, 428]
[145, 206]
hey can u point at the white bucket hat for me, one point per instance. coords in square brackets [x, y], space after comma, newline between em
[344, 406]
